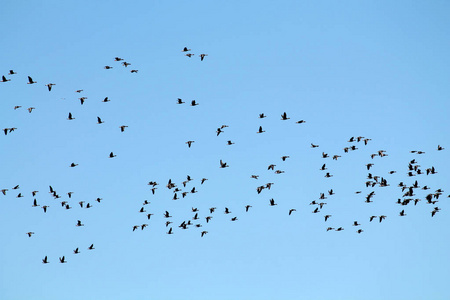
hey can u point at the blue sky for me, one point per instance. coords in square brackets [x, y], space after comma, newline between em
[375, 69]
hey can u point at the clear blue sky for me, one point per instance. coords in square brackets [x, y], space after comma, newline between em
[377, 69]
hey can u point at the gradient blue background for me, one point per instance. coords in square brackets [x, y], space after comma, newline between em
[379, 69]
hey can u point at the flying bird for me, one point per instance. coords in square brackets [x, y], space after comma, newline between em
[202, 56]
[49, 86]
[30, 80]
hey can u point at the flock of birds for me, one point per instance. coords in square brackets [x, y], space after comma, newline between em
[185, 188]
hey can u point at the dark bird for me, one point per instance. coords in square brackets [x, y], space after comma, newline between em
[202, 56]
[76, 251]
[134, 71]
[223, 165]
[167, 215]
[328, 175]
[122, 128]
[170, 231]
[300, 122]
[49, 86]
[111, 155]
[45, 208]
[30, 80]
[371, 218]
[314, 146]
[382, 218]
[118, 58]
[189, 143]
[70, 117]
[185, 49]
[283, 158]
[402, 213]
[327, 217]
[262, 116]
[292, 210]
[78, 91]
[247, 207]
[108, 67]
[284, 116]
[234, 219]
[99, 121]
[72, 165]
[91, 247]
[272, 202]
[35, 203]
[179, 101]
[355, 223]
[45, 260]
[4, 79]
[189, 55]
[439, 148]
[11, 72]
[227, 211]
[62, 260]
[204, 232]
[79, 223]
[30, 233]
[106, 99]
[125, 64]
[359, 230]
[193, 103]
[260, 130]
[229, 143]
[340, 229]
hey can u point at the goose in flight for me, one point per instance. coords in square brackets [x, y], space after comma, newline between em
[99, 121]
[300, 122]
[91, 247]
[189, 55]
[79, 223]
[111, 155]
[202, 56]
[30, 233]
[76, 251]
[284, 116]
[314, 146]
[4, 79]
[193, 103]
[272, 202]
[262, 116]
[117, 58]
[49, 86]
[62, 260]
[70, 117]
[106, 99]
[30, 80]
[292, 210]
[108, 67]
[185, 49]
[189, 143]
[45, 260]
[260, 130]
[283, 158]
[180, 101]
[122, 128]
[204, 232]
[72, 165]
[134, 71]
[11, 72]
[223, 165]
